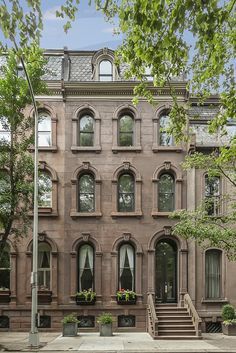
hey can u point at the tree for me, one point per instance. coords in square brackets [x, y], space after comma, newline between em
[16, 136]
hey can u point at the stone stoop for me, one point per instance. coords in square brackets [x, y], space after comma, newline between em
[174, 323]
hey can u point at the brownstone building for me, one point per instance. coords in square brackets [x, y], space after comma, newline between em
[114, 176]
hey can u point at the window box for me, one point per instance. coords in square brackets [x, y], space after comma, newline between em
[85, 297]
[44, 296]
[5, 296]
[126, 297]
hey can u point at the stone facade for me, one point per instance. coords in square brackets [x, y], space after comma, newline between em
[72, 78]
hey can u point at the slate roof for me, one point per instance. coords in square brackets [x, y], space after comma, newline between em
[81, 68]
[202, 113]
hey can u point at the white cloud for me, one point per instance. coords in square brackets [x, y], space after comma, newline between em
[50, 14]
[109, 30]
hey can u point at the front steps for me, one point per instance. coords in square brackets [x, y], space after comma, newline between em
[174, 323]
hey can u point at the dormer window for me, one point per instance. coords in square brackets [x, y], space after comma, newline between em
[105, 71]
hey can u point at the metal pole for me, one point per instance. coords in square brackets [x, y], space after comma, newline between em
[34, 334]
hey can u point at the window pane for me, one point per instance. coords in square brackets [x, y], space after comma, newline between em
[126, 131]
[126, 202]
[86, 137]
[86, 193]
[105, 70]
[45, 191]
[126, 270]
[165, 138]
[44, 130]
[44, 265]
[5, 135]
[213, 274]
[5, 279]
[85, 267]
[212, 195]
[166, 193]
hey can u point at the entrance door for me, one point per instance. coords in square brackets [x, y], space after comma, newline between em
[166, 272]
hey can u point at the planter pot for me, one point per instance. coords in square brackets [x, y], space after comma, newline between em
[5, 296]
[82, 301]
[122, 301]
[44, 297]
[229, 330]
[106, 330]
[70, 329]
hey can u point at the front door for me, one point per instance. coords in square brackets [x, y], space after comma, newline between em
[166, 271]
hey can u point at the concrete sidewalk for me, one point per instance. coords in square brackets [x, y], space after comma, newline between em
[120, 343]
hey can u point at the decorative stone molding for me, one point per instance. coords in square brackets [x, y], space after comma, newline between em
[127, 166]
[85, 167]
[119, 112]
[166, 167]
[79, 112]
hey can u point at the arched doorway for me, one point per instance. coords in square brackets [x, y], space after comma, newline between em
[166, 271]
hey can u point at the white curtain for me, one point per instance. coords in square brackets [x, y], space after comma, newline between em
[90, 257]
[82, 260]
[213, 265]
[130, 253]
[122, 258]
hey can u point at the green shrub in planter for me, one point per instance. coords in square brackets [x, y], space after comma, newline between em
[105, 323]
[70, 325]
[228, 312]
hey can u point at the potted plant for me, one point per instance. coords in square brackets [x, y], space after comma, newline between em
[125, 297]
[85, 297]
[70, 325]
[105, 324]
[229, 320]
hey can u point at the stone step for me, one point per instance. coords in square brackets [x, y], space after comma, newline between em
[175, 327]
[176, 332]
[175, 322]
[177, 337]
[172, 313]
[169, 309]
[174, 317]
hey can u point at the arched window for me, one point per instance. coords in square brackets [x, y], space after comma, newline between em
[165, 138]
[126, 131]
[126, 267]
[44, 266]
[213, 273]
[5, 268]
[86, 130]
[86, 267]
[86, 193]
[212, 195]
[166, 193]
[44, 130]
[45, 190]
[126, 193]
[105, 71]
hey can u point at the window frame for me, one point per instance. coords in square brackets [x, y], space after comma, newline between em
[3, 132]
[130, 110]
[120, 132]
[53, 210]
[89, 133]
[219, 252]
[78, 266]
[172, 193]
[45, 270]
[9, 269]
[134, 268]
[86, 193]
[48, 110]
[43, 115]
[215, 198]
[105, 75]
[131, 193]
[41, 203]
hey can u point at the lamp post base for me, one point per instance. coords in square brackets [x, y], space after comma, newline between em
[34, 339]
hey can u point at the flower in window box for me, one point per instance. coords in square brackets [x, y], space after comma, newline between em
[126, 296]
[86, 297]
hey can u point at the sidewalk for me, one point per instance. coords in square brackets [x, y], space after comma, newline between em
[119, 343]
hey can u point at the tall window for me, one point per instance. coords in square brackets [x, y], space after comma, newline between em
[213, 274]
[86, 130]
[5, 134]
[165, 138]
[126, 267]
[126, 131]
[44, 265]
[5, 268]
[126, 193]
[166, 193]
[86, 267]
[5, 191]
[105, 71]
[212, 195]
[44, 130]
[86, 193]
[45, 190]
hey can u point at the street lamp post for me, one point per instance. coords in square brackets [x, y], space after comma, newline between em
[34, 334]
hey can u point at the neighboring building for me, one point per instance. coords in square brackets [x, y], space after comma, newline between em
[114, 176]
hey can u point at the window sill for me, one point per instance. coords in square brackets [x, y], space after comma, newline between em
[45, 148]
[5, 296]
[126, 214]
[156, 214]
[75, 214]
[45, 212]
[76, 149]
[116, 149]
[214, 301]
[166, 149]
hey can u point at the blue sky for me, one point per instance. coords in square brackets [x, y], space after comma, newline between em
[89, 31]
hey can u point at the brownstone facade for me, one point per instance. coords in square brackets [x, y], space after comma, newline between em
[65, 227]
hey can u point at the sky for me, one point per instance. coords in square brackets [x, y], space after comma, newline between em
[90, 30]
